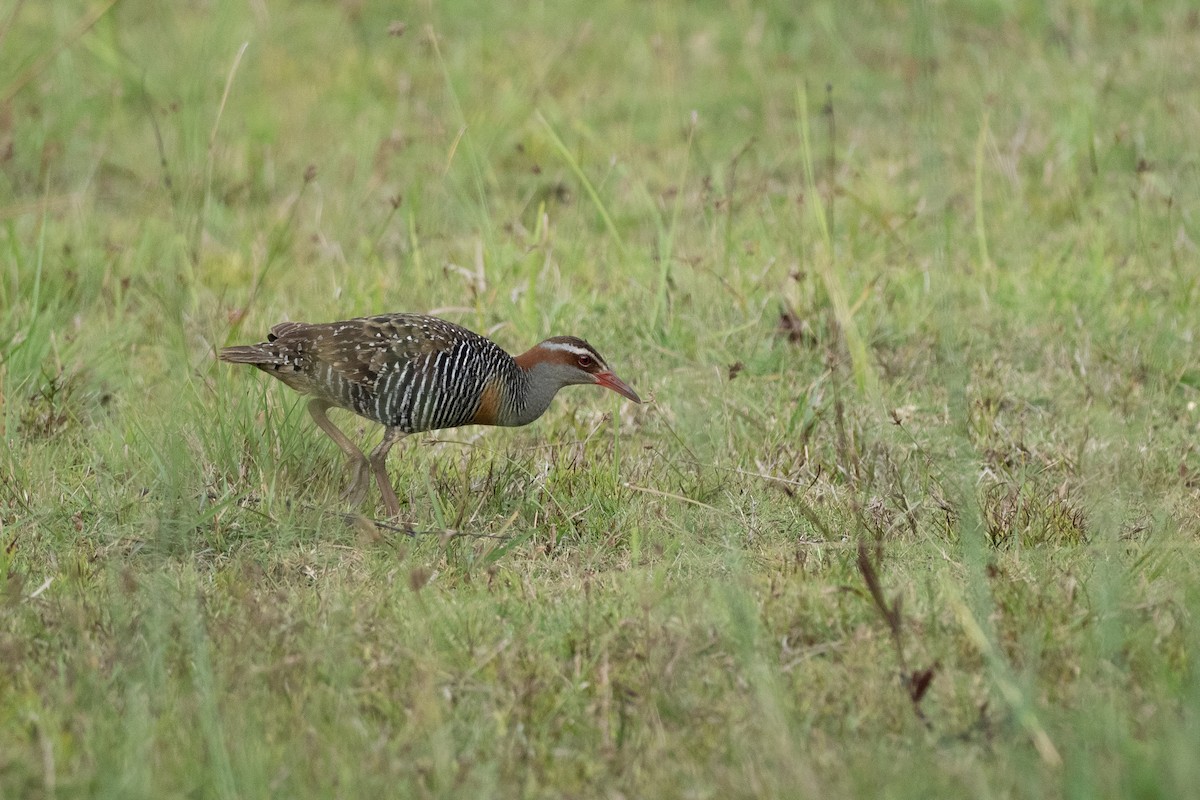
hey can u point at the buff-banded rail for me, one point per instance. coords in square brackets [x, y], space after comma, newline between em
[414, 373]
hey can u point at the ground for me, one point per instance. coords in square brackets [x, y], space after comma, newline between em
[909, 288]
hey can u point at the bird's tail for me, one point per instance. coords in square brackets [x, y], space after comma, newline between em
[260, 355]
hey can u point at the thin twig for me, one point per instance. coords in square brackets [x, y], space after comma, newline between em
[248, 504]
[916, 682]
[411, 530]
[663, 419]
[162, 150]
[761, 475]
[673, 496]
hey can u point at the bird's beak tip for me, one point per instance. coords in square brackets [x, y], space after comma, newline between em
[609, 380]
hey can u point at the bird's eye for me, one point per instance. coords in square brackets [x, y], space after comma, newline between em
[586, 362]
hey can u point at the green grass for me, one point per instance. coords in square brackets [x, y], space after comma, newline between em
[912, 510]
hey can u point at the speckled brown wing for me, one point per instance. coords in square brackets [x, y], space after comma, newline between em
[361, 350]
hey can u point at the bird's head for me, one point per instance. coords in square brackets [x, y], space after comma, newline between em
[566, 360]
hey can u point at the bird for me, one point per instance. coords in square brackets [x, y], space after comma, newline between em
[414, 373]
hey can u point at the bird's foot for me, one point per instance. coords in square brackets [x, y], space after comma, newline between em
[390, 502]
[356, 491]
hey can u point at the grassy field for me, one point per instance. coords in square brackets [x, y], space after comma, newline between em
[911, 289]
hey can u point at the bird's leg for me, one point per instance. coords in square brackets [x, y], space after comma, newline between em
[356, 462]
[378, 461]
